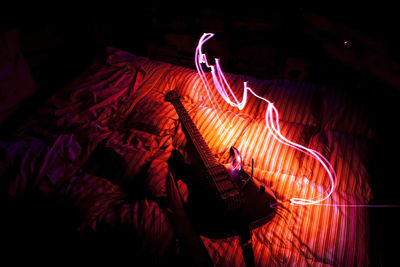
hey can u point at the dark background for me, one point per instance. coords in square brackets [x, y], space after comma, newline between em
[354, 49]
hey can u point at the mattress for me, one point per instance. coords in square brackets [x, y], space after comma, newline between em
[102, 143]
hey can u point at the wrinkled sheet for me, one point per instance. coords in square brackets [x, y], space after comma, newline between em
[102, 144]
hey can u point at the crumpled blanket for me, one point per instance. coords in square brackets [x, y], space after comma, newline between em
[102, 145]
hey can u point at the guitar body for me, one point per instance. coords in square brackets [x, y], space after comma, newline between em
[223, 201]
[207, 211]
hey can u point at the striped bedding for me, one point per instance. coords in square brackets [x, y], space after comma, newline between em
[115, 115]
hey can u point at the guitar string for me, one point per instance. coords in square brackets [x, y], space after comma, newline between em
[183, 117]
[186, 121]
[205, 158]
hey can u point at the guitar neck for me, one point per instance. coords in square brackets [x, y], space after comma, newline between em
[217, 174]
[201, 146]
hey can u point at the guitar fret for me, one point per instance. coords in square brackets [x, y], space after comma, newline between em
[217, 174]
[220, 177]
[197, 139]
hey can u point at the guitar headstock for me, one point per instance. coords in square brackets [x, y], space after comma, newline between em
[171, 96]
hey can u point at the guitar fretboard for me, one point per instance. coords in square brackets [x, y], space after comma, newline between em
[217, 173]
[201, 146]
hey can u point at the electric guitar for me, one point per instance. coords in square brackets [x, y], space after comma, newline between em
[222, 201]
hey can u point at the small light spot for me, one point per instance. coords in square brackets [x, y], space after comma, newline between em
[347, 44]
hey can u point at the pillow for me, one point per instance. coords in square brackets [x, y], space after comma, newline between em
[295, 101]
[343, 113]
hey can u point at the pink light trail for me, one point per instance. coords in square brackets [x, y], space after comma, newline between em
[271, 116]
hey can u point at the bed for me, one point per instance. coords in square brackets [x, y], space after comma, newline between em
[102, 143]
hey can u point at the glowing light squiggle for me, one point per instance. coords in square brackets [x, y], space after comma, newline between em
[271, 116]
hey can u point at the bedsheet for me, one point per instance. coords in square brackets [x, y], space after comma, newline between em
[102, 143]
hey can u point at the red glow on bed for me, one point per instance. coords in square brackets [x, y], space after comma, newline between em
[223, 89]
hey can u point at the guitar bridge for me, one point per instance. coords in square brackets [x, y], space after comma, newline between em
[232, 199]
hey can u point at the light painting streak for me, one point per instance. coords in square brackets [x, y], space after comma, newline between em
[271, 116]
